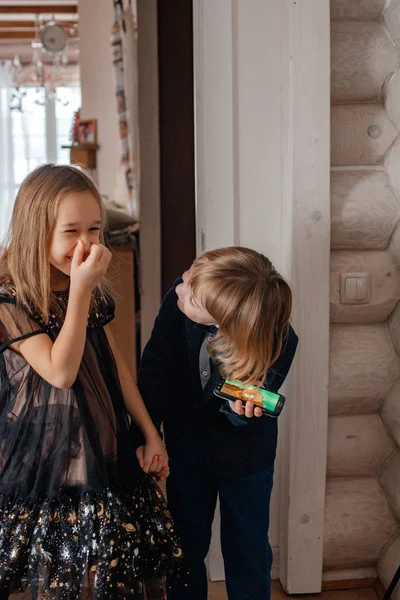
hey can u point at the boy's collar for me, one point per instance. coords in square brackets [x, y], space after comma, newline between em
[206, 328]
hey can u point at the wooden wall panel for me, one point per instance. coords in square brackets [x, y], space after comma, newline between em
[392, 99]
[392, 20]
[364, 210]
[363, 56]
[363, 368]
[385, 286]
[357, 446]
[361, 134]
[360, 519]
[357, 9]
[358, 523]
[394, 328]
[390, 481]
[391, 164]
[391, 413]
[390, 478]
[394, 248]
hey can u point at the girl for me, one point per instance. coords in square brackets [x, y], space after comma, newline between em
[79, 517]
[228, 316]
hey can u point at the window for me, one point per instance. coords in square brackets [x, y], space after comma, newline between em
[44, 126]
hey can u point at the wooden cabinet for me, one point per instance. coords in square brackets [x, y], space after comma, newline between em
[83, 155]
[123, 327]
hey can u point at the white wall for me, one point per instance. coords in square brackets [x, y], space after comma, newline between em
[98, 86]
[262, 179]
[240, 135]
[239, 192]
[239, 146]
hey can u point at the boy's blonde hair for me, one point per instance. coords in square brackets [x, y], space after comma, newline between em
[25, 261]
[251, 303]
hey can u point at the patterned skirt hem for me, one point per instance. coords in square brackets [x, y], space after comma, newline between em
[105, 543]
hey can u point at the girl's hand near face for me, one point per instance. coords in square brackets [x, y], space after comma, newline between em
[87, 273]
[58, 363]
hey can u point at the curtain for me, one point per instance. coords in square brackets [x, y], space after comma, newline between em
[130, 49]
[7, 180]
[125, 61]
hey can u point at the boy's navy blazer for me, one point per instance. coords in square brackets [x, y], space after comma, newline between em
[169, 381]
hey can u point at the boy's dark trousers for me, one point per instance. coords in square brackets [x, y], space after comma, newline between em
[244, 503]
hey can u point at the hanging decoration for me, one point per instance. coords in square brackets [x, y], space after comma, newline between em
[52, 48]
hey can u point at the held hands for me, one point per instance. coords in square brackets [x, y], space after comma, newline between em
[153, 458]
[87, 273]
[249, 410]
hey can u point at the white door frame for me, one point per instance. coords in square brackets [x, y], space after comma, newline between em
[262, 114]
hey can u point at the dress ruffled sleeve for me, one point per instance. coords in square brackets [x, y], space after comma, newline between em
[15, 324]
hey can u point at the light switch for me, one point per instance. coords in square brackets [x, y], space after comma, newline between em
[355, 288]
[351, 288]
[363, 285]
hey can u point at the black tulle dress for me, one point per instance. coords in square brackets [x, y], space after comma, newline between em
[78, 517]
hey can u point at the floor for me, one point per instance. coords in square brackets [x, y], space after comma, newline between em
[217, 592]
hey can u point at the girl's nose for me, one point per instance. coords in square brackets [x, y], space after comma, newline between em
[85, 239]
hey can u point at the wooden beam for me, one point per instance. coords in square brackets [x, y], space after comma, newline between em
[17, 35]
[31, 24]
[349, 584]
[39, 9]
[305, 61]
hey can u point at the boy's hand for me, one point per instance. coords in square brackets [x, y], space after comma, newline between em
[249, 410]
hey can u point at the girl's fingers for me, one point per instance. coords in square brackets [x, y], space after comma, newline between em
[147, 462]
[95, 252]
[79, 251]
[160, 463]
[152, 466]
[139, 454]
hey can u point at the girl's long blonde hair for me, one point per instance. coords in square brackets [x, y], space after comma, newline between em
[24, 263]
[251, 303]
